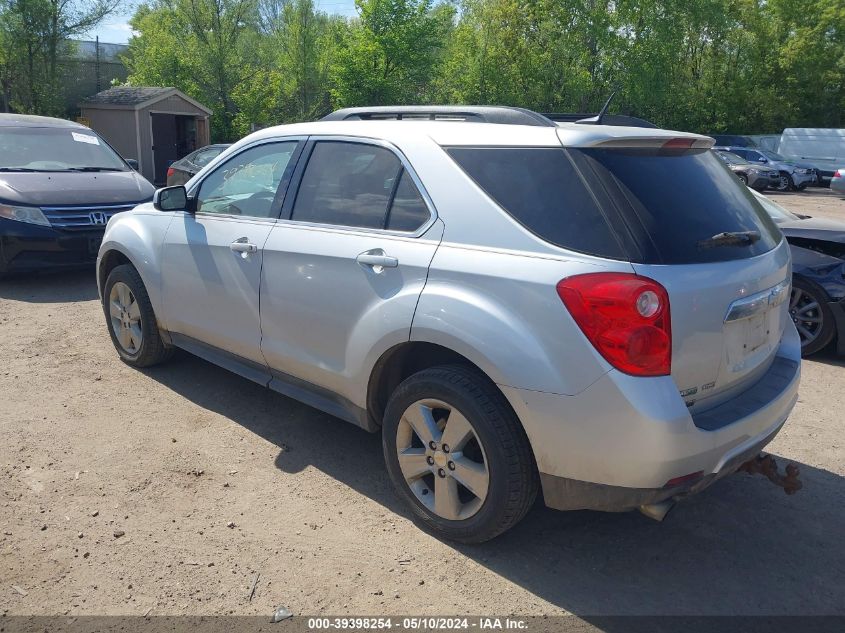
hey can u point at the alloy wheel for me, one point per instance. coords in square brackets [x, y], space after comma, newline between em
[783, 182]
[125, 314]
[806, 314]
[442, 459]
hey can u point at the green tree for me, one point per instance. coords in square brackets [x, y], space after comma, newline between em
[303, 41]
[34, 35]
[390, 53]
[208, 48]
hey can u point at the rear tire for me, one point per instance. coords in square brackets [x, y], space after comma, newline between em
[489, 452]
[812, 316]
[130, 319]
[743, 179]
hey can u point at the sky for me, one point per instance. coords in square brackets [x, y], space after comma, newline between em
[115, 29]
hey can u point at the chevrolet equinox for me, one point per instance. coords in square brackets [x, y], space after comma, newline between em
[593, 311]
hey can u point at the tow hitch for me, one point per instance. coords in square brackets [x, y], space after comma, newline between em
[767, 466]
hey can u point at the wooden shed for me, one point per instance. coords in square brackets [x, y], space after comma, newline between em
[155, 126]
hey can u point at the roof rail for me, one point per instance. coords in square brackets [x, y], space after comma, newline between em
[608, 119]
[477, 114]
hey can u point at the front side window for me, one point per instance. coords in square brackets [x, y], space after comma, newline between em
[247, 183]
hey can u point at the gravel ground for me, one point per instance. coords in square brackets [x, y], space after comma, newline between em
[169, 491]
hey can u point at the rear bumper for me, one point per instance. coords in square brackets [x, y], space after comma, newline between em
[29, 247]
[561, 493]
[618, 443]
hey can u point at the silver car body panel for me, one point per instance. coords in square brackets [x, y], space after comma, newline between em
[304, 316]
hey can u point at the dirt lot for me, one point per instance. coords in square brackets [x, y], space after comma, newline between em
[167, 491]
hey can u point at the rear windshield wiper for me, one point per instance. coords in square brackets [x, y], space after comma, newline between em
[730, 238]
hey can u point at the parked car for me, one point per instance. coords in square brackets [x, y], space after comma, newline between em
[824, 148]
[817, 302]
[60, 183]
[733, 140]
[512, 304]
[186, 168]
[837, 181]
[792, 175]
[756, 176]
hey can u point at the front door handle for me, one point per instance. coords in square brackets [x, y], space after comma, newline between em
[243, 246]
[377, 259]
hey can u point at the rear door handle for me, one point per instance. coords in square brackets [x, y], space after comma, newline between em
[377, 259]
[244, 246]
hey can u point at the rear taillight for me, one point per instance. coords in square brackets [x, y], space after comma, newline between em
[625, 317]
[170, 171]
[837, 174]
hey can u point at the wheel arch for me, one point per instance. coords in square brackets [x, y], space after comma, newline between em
[401, 361]
[135, 240]
[109, 260]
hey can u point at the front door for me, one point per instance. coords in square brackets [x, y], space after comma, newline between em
[343, 275]
[211, 265]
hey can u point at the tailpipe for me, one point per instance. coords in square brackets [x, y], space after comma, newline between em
[657, 511]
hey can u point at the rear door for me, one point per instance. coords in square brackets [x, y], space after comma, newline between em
[342, 275]
[212, 259]
[727, 293]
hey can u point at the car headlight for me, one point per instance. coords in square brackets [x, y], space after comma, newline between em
[32, 215]
[801, 170]
[756, 172]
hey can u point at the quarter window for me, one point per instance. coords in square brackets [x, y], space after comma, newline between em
[247, 183]
[408, 211]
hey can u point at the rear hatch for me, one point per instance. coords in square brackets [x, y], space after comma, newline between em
[658, 203]
[686, 222]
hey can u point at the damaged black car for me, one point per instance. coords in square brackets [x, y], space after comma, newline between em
[817, 303]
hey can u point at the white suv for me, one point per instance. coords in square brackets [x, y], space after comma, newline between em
[597, 311]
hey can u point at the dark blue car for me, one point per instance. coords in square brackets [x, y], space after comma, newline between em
[60, 183]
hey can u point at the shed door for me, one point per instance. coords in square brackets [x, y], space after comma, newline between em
[164, 145]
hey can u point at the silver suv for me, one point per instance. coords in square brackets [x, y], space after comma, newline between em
[593, 311]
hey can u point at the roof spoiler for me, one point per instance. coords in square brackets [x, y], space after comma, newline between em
[608, 119]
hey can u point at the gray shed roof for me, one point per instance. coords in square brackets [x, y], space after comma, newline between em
[135, 97]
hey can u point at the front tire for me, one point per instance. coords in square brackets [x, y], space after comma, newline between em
[785, 182]
[457, 454]
[811, 315]
[130, 319]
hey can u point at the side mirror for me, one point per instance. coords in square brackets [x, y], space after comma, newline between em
[132, 163]
[171, 199]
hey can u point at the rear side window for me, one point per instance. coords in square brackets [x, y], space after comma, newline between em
[649, 206]
[672, 202]
[542, 190]
[348, 184]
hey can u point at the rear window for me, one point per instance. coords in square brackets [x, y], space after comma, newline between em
[672, 202]
[647, 206]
